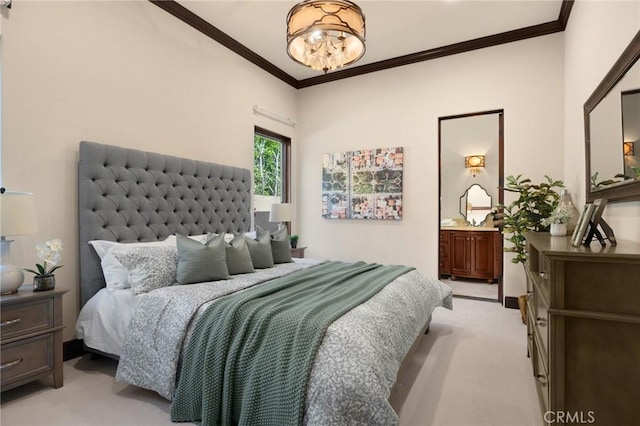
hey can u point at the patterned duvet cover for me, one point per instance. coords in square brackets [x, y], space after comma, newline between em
[355, 366]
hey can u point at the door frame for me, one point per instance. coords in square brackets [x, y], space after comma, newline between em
[500, 113]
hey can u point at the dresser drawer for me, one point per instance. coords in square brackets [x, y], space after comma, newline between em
[24, 318]
[25, 358]
[541, 322]
[541, 376]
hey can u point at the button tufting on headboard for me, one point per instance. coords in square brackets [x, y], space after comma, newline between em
[128, 195]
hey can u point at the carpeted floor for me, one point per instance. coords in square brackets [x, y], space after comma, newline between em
[471, 369]
[478, 288]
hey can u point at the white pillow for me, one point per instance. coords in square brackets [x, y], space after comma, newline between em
[102, 246]
[115, 274]
[148, 268]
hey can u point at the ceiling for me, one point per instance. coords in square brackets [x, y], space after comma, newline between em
[412, 30]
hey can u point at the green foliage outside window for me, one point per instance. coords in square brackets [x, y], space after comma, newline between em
[267, 166]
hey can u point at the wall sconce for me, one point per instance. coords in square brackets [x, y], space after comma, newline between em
[474, 163]
[627, 148]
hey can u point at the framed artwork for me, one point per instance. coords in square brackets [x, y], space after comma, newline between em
[363, 184]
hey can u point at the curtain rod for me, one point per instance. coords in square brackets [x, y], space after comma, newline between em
[258, 110]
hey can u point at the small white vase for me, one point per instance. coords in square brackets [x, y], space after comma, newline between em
[558, 230]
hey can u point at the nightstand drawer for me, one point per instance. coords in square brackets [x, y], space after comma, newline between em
[22, 359]
[24, 318]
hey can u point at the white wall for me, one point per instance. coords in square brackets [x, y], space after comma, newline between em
[596, 35]
[400, 107]
[122, 73]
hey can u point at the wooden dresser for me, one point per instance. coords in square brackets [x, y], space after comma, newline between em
[583, 330]
[467, 252]
[31, 337]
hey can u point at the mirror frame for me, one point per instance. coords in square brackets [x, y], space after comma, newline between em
[626, 191]
[466, 195]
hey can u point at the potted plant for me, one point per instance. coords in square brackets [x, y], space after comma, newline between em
[49, 252]
[294, 240]
[534, 203]
[557, 222]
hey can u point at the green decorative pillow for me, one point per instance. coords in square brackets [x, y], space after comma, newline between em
[260, 250]
[280, 245]
[238, 256]
[199, 262]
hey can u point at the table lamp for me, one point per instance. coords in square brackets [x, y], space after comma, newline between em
[281, 212]
[17, 217]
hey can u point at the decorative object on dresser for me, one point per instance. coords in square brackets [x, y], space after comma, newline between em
[49, 252]
[17, 217]
[583, 328]
[557, 222]
[534, 203]
[590, 220]
[467, 252]
[31, 337]
[566, 204]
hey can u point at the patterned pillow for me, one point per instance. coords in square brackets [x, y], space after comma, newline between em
[199, 262]
[260, 250]
[148, 268]
[115, 274]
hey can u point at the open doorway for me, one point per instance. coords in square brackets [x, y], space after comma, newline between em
[471, 148]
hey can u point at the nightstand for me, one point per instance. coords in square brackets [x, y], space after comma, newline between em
[31, 337]
[298, 252]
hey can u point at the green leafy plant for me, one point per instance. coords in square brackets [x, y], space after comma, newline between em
[294, 240]
[534, 203]
[49, 252]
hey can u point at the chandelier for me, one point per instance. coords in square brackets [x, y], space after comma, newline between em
[325, 35]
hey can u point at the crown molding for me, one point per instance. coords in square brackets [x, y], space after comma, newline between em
[214, 33]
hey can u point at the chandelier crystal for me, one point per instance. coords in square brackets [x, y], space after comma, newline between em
[325, 35]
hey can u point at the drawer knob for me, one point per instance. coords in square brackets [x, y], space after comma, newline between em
[542, 379]
[10, 363]
[541, 322]
[10, 322]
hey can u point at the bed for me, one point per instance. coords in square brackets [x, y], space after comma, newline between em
[128, 197]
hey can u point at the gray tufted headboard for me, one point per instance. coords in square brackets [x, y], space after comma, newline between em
[126, 195]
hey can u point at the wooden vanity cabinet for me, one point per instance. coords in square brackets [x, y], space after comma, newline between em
[471, 254]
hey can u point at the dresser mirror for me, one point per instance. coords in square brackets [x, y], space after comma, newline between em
[612, 131]
[475, 205]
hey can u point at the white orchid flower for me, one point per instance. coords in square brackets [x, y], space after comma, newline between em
[55, 244]
[50, 253]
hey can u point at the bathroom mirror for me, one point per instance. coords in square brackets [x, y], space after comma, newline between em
[612, 131]
[475, 205]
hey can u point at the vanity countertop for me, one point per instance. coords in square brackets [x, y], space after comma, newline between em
[468, 228]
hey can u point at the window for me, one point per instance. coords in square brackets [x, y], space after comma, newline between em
[271, 173]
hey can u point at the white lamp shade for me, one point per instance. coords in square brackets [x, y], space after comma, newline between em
[282, 212]
[18, 213]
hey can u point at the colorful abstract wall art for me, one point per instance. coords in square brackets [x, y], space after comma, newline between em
[363, 184]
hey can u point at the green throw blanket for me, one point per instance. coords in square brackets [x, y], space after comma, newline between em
[250, 355]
